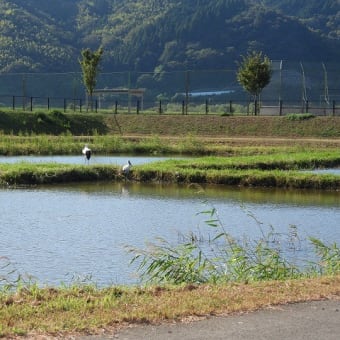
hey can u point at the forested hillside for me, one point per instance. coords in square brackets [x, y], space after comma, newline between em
[320, 16]
[144, 35]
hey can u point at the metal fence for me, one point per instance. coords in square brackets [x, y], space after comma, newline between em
[294, 87]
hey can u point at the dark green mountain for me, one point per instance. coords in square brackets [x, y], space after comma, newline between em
[144, 35]
[320, 16]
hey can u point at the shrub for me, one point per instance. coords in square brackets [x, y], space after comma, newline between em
[299, 116]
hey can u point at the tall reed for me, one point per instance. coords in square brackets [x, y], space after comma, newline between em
[227, 259]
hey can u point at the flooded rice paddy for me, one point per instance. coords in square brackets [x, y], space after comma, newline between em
[62, 233]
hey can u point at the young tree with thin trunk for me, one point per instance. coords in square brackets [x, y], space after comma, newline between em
[254, 74]
[90, 68]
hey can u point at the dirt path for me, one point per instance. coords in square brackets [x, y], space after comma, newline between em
[250, 141]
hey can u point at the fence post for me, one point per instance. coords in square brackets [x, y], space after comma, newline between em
[206, 106]
[138, 107]
[96, 105]
[230, 106]
[48, 103]
[80, 105]
[160, 107]
[13, 103]
[280, 105]
[64, 105]
[31, 104]
[333, 108]
[187, 89]
[116, 106]
[307, 106]
[183, 107]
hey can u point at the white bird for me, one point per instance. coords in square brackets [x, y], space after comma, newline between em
[87, 152]
[126, 168]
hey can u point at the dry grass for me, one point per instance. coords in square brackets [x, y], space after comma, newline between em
[83, 310]
[56, 123]
[218, 126]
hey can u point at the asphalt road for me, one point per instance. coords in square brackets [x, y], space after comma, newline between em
[317, 320]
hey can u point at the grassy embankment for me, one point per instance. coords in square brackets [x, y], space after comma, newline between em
[185, 135]
[85, 309]
[85, 124]
[259, 150]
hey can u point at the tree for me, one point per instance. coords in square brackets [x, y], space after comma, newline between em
[254, 74]
[90, 67]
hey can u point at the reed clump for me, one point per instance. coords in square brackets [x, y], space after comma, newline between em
[223, 258]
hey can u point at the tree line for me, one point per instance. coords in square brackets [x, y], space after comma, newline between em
[144, 35]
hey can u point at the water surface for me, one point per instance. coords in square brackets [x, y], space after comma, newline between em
[333, 171]
[100, 159]
[61, 232]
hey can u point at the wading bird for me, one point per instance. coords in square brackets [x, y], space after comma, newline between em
[126, 168]
[87, 152]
